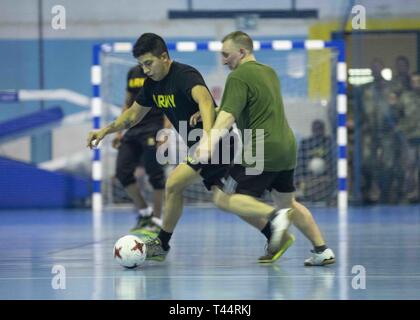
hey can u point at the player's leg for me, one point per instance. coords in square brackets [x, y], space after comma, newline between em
[180, 178]
[258, 214]
[282, 192]
[243, 201]
[158, 196]
[258, 223]
[213, 175]
[238, 198]
[156, 174]
[220, 199]
[127, 160]
[246, 206]
[302, 218]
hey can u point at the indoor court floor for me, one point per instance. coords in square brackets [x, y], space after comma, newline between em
[213, 256]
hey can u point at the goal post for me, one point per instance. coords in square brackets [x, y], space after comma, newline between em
[301, 107]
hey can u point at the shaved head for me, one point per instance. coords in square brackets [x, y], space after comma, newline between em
[240, 39]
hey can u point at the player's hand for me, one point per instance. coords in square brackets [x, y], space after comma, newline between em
[162, 140]
[163, 137]
[195, 118]
[94, 138]
[116, 142]
[202, 153]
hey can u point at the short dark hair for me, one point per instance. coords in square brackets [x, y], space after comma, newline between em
[240, 38]
[149, 43]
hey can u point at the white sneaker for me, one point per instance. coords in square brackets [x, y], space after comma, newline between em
[146, 212]
[279, 226]
[320, 259]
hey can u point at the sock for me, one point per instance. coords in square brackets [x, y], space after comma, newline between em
[146, 212]
[164, 238]
[266, 231]
[320, 249]
[157, 221]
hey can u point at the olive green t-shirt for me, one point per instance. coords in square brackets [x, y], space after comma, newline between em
[252, 95]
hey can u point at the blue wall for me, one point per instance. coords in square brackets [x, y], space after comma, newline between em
[26, 186]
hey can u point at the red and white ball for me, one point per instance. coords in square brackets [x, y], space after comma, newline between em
[130, 251]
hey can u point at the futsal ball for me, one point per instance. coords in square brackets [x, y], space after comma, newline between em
[317, 166]
[130, 251]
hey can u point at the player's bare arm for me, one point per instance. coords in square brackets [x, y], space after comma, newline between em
[128, 101]
[125, 121]
[196, 117]
[224, 121]
[202, 97]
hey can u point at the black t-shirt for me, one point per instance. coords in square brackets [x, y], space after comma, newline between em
[173, 96]
[153, 121]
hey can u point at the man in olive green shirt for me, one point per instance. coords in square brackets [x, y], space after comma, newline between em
[252, 99]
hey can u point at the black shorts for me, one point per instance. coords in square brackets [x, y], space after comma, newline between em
[213, 174]
[135, 151]
[255, 185]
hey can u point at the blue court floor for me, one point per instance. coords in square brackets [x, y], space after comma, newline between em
[213, 256]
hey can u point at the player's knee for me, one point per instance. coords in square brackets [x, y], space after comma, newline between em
[125, 178]
[174, 185]
[156, 174]
[157, 180]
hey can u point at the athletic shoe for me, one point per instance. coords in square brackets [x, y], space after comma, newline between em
[144, 234]
[279, 225]
[149, 224]
[320, 259]
[271, 256]
[155, 251]
[141, 222]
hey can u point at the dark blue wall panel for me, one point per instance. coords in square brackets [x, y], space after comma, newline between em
[24, 185]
